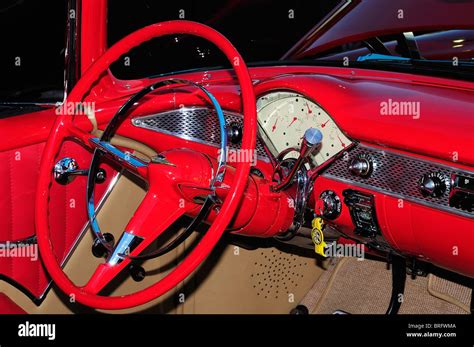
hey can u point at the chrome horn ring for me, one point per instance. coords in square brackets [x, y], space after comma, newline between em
[104, 146]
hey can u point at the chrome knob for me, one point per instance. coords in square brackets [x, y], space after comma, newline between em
[311, 139]
[328, 205]
[361, 166]
[433, 185]
[63, 169]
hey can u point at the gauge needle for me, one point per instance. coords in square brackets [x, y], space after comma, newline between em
[309, 110]
[324, 124]
[274, 126]
[294, 120]
[342, 143]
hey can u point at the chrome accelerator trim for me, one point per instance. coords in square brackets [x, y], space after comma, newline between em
[198, 124]
[396, 175]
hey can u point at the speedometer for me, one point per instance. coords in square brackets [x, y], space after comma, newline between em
[283, 117]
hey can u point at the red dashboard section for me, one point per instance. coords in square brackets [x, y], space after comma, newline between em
[442, 238]
[442, 134]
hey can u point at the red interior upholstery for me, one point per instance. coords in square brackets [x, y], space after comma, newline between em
[7, 306]
[17, 199]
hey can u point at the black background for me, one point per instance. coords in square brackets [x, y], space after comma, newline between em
[261, 30]
[36, 31]
[242, 330]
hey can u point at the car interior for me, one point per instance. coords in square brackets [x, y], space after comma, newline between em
[156, 169]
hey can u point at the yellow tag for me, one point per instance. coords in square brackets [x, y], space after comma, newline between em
[317, 236]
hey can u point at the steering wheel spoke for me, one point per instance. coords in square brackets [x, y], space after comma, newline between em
[156, 213]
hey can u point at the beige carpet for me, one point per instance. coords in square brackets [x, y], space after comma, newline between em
[364, 287]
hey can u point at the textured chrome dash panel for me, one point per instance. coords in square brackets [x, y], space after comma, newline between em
[396, 175]
[194, 124]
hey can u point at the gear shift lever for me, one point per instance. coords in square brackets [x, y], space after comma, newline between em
[311, 140]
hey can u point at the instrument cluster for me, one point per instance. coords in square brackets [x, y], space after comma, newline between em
[283, 117]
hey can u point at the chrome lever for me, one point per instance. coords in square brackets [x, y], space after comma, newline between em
[66, 169]
[311, 142]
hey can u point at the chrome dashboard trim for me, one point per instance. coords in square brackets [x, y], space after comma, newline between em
[197, 124]
[397, 175]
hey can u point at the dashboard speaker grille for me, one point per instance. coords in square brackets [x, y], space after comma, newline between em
[194, 124]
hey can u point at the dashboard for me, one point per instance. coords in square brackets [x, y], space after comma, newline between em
[283, 117]
[379, 196]
[382, 198]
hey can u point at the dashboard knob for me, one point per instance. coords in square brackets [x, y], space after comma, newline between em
[328, 205]
[361, 166]
[433, 184]
[234, 132]
[313, 136]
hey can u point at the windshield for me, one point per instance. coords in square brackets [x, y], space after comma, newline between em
[32, 35]
[447, 45]
[448, 53]
[261, 30]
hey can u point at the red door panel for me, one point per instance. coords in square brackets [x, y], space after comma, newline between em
[67, 209]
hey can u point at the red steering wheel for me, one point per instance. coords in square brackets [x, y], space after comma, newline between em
[162, 202]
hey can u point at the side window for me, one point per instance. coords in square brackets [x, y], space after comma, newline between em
[348, 51]
[32, 36]
[353, 50]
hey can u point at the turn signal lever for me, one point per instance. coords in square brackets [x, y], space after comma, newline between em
[311, 141]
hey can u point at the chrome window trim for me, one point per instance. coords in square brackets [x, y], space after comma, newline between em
[72, 51]
[319, 27]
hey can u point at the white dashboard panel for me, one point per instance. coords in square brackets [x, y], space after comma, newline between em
[283, 117]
